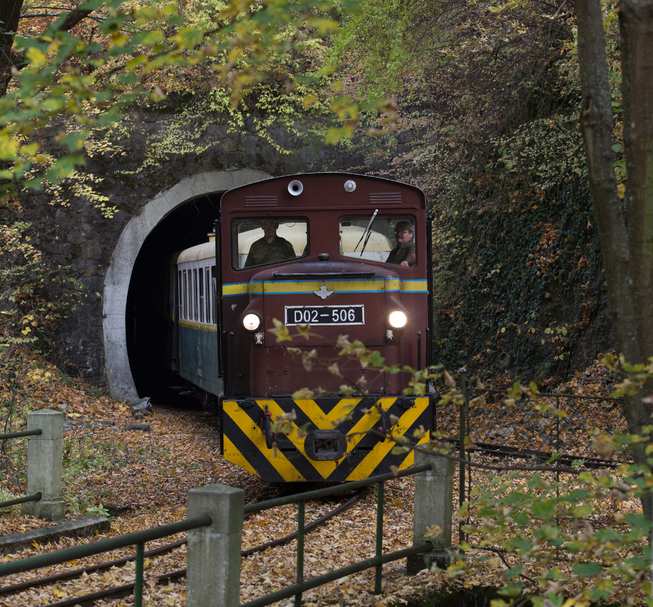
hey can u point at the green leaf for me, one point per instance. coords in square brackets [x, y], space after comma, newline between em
[375, 359]
[588, 569]
[583, 511]
[543, 510]
[513, 572]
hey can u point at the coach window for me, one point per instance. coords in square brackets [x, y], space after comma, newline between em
[384, 238]
[214, 283]
[180, 294]
[208, 317]
[267, 240]
[194, 294]
[200, 290]
[184, 296]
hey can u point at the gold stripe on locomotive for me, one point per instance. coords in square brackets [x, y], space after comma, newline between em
[244, 440]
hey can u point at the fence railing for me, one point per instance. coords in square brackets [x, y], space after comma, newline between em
[552, 433]
[44, 460]
[137, 539]
[28, 498]
[432, 506]
[215, 523]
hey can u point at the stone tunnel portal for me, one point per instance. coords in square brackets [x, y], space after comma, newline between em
[148, 314]
[176, 219]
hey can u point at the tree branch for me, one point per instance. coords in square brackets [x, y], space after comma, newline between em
[73, 18]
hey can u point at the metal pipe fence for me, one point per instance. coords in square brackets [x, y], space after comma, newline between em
[22, 433]
[379, 558]
[561, 432]
[215, 522]
[28, 498]
[138, 539]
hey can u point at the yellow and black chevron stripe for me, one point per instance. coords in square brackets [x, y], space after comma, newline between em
[365, 454]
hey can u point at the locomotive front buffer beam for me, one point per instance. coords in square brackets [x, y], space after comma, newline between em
[325, 439]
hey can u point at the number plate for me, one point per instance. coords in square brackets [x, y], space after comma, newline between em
[325, 315]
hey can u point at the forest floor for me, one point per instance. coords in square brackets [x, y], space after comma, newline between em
[142, 478]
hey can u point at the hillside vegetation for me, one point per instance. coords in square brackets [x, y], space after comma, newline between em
[477, 103]
[490, 98]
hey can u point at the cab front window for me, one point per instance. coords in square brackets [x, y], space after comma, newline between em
[389, 239]
[267, 240]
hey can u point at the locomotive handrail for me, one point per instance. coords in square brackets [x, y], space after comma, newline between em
[307, 274]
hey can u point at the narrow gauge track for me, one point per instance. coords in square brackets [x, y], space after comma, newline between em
[505, 451]
[167, 578]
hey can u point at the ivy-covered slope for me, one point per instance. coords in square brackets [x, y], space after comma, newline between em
[495, 87]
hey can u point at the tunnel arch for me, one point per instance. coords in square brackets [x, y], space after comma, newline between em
[117, 280]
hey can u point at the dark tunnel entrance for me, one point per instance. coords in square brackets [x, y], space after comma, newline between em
[147, 304]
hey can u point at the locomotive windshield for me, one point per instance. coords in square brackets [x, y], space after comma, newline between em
[389, 239]
[257, 242]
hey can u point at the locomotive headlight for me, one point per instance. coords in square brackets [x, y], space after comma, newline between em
[397, 319]
[251, 321]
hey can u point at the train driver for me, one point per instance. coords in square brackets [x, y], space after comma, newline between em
[404, 253]
[270, 248]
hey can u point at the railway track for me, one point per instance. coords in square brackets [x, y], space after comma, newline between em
[167, 578]
[505, 451]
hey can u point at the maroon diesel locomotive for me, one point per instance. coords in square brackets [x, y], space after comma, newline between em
[349, 256]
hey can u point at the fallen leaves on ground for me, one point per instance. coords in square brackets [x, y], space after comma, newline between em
[143, 478]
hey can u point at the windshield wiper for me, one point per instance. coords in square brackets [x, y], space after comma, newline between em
[367, 233]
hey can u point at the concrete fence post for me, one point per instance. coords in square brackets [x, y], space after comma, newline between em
[213, 561]
[44, 454]
[433, 506]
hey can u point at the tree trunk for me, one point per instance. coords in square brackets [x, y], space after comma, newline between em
[9, 17]
[626, 234]
[596, 124]
[73, 18]
[636, 21]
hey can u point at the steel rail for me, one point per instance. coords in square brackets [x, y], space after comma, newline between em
[550, 395]
[516, 453]
[307, 529]
[68, 575]
[114, 593]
